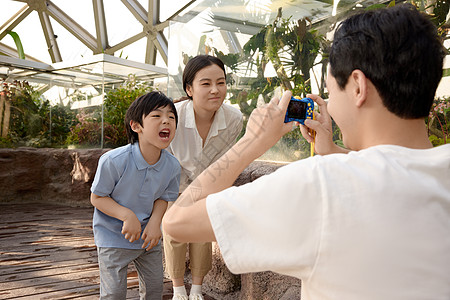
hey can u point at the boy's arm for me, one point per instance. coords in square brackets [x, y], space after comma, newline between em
[152, 232]
[323, 142]
[131, 226]
[187, 220]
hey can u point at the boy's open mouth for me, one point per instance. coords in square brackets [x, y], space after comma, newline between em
[165, 133]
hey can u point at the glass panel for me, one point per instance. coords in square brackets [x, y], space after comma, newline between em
[267, 46]
[62, 105]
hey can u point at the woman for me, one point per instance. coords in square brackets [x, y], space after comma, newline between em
[207, 128]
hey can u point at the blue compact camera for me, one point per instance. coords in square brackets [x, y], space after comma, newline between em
[299, 110]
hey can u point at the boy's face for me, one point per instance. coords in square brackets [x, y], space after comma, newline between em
[158, 128]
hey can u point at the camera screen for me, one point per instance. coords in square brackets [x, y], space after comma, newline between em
[297, 109]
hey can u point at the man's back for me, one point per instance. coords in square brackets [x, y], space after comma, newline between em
[387, 230]
[375, 225]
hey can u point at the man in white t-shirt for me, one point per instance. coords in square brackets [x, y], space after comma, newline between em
[368, 222]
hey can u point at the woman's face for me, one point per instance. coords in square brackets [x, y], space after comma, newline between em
[208, 89]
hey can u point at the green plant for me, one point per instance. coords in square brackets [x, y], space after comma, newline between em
[116, 104]
[438, 124]
[18, 42]
[30, 120]
[23, 116]
[61, 120]
[87, 131]
[292, 47]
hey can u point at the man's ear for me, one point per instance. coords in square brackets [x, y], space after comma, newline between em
[135, 126]
[359, 81]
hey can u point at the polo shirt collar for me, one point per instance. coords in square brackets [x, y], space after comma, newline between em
[140, 161]
[219, 122]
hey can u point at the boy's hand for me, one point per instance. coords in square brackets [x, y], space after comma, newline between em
[131, 227]
[151, 235]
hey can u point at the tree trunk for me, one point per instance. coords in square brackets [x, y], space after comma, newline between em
[2, 104]
[6, 117]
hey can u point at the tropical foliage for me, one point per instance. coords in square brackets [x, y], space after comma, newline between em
[88, 130]
[29, 120]
[296, 49]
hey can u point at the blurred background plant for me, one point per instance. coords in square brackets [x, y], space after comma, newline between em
[29, 120]
[285, 54]
[438, 122]
[88, 131]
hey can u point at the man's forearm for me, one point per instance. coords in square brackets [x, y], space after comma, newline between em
[186, 220]
[221, 174]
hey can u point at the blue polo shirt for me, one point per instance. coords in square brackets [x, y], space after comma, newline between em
[125, 176]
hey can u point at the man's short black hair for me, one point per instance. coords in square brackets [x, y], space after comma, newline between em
[399, 50]
[141, 107]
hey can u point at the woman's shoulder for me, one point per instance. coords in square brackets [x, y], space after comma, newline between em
[181, 105]
[232, 111]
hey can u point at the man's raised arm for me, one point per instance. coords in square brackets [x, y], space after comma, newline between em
[187, 220]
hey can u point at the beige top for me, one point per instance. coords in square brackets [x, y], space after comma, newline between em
[187, 145]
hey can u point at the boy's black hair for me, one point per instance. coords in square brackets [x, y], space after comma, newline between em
[399, 50]
[141, 107]
[196, 64]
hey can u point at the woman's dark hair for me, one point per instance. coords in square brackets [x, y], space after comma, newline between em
[398, 49]
[141, 107]
[196, 64]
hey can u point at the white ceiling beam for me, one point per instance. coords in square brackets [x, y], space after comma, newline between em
[125, 43]
[158, 39]
[162, 46]
[232, 41]
[50, 37]
[73, 27]
[153, 18]
[137, 10]
[14, 20]
[12, 52]
[100, 25]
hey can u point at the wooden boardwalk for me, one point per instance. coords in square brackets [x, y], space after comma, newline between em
[48, 252]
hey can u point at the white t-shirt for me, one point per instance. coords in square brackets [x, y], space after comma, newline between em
[187, 145]
[373, 224]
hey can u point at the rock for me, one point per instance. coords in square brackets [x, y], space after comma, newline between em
[64, 176]
[269, 285]
[255, 170]
[48, 175]
[220, 281]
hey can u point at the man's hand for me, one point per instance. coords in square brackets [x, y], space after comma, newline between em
[151, 236]
[322, 126]
[266, 124]
[131, 227]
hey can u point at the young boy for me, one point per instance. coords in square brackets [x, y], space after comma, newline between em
[370, 224]
[130, 192]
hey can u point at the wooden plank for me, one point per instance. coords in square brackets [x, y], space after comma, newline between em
[48, 252]
[44, 266]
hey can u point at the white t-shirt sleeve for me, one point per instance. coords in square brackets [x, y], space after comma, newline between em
[271, 224]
